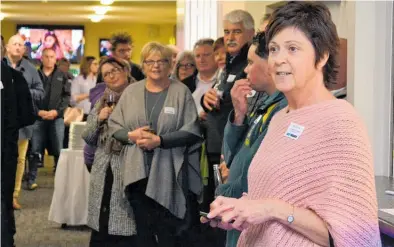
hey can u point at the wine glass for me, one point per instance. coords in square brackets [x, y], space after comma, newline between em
[111, 101]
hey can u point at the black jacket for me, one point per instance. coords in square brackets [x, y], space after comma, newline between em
[57, 92]
[16, 112]
[136, 72]
[216, 120]
[190, 82]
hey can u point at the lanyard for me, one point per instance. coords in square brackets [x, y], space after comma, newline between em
[263, 118]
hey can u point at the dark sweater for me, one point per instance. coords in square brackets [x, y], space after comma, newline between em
[216, 120]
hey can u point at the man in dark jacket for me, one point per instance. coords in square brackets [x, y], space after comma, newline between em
[16, 112]
[50, 126]
[238, 33]
[122, 48]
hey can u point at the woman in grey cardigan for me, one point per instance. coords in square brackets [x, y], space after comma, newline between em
[156, 120]
[109, 214]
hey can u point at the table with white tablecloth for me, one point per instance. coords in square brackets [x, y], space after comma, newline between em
[70, 197]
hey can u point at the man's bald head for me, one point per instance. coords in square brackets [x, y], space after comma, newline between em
[16, 47]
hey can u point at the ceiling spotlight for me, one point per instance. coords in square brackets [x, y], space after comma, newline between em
[96, 18]
[106, 2]
[101, 10]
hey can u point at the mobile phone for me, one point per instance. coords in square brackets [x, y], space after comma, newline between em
[205, 215]
[217, 218]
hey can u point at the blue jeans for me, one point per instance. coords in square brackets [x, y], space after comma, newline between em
[46, 134]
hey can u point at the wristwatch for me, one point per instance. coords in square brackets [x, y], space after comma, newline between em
[290, 218]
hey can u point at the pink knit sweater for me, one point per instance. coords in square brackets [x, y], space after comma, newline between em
[329, 170]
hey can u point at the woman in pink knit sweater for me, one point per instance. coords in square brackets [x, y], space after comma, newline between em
[311, 183]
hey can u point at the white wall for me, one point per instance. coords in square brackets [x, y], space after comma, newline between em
[371, 66]
[196, 19]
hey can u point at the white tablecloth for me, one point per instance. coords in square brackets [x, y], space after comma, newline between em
[70, 197]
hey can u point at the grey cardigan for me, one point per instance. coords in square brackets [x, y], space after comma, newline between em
[121, 218]
[166, 178]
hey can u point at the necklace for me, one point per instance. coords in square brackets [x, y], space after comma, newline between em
[153, 108]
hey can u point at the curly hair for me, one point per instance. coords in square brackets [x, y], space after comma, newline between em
[314, 20]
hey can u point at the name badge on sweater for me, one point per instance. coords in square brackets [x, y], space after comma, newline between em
[231, 78]
[169, 110]
[294, 131]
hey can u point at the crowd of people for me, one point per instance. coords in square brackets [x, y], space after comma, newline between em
[295, 163]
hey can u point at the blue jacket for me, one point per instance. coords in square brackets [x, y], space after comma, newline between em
[240, 144]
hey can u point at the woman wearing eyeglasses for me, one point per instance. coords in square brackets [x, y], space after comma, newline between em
[185, 65]
[157, 122]
[109, 214]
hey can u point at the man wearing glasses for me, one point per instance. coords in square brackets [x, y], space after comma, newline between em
[122, 48]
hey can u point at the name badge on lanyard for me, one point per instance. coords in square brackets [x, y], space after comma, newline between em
[294, 131]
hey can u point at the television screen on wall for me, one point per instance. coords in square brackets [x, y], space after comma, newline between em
[67, 41]
[105, 47]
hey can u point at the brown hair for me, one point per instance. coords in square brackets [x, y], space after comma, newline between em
[314, 20]
[85, 65]
[120, 63]
[219, 43]
[120, 38]
[205, 41]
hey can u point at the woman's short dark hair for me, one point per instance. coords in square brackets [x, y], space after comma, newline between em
[261, 46]
[120, 38]
[120, 63]
[314, 19]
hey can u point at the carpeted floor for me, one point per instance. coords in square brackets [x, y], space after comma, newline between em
[32, 225]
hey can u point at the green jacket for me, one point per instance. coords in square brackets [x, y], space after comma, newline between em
[240, 145]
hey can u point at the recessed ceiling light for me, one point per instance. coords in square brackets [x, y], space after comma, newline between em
[96, 18]
[106, 2]
[101, 10]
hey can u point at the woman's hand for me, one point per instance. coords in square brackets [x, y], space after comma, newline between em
[240, 213]
[136, 134]
[104, 113]
[148, 141]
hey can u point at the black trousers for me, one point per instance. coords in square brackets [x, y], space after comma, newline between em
[9, 157]
[157, 227]
[212, 237]
[102, 238]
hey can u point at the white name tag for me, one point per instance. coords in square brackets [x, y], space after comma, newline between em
[230, 78]
[1, 85]
[169, 110]
[294, 131]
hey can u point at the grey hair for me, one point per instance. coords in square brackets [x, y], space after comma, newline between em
[240, 16]
[181, 56]
[205, 41]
